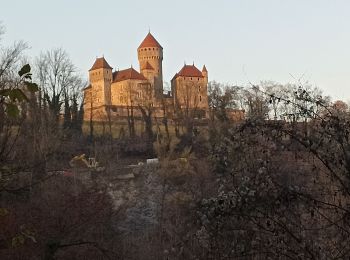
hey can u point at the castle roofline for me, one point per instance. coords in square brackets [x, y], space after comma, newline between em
[149, 41]
[126, 74]
[100, 63]
[189, 71]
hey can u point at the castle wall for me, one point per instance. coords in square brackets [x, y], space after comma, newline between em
[190, 92]
[100, 80]
[128, 92]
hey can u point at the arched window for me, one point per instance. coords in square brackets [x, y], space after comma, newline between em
[200, 98]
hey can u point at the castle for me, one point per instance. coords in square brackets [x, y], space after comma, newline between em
[117, 94]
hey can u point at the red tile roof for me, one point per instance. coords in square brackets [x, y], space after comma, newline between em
[100, 63]
[149, 41]
[147, 66]
[189, 71]
[127, 74]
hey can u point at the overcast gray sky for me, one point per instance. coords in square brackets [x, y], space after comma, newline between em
[239, 41]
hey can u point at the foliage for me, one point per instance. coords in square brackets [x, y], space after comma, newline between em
[12, 96]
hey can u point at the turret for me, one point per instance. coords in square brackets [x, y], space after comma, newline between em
[150, 55]
[100, 76]
[205, 74]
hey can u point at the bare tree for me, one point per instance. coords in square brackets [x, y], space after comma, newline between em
[186, 108]
[12, 93]
[146, 107]
[284, 184]
[58, 78]
[221, 98]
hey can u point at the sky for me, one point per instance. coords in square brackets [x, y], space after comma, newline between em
[239, 41]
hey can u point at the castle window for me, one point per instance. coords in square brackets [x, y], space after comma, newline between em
[200, 98]
[199, 88]
[149, 49]
[191, 78]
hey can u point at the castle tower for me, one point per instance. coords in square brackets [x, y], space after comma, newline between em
[150, 56]
[205, 74]
[100, 76]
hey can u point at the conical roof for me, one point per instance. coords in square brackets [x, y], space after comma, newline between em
[149, 41]
[100, 63]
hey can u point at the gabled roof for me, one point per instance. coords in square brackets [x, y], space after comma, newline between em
[189, 71]
[147, 66]
[149, 41]
[100, 63]
[130, 73]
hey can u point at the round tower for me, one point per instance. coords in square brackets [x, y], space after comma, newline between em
[150, 56]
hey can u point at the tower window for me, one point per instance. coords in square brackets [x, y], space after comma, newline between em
[200, 98]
